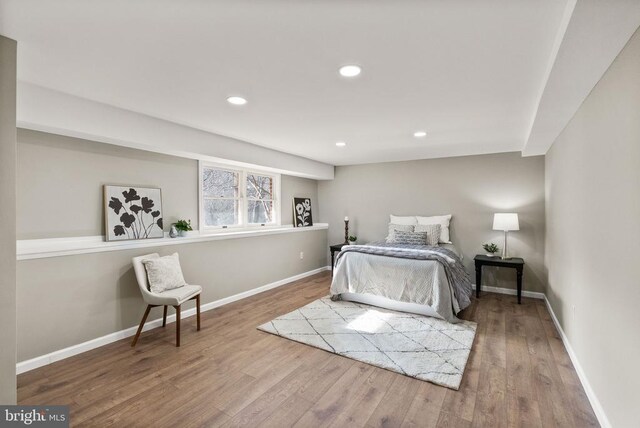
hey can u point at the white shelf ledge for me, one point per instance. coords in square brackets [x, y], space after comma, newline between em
[28, 249]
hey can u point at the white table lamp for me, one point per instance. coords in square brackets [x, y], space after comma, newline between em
[505, 222]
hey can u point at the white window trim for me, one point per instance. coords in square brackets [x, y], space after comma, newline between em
[242, 225]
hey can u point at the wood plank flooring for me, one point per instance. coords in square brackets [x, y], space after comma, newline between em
[230, 374]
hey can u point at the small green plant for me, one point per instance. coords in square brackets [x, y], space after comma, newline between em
[184, 225]
[353, 238]
[490, 248]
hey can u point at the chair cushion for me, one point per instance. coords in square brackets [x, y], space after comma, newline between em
[164, 273]
[175, 296]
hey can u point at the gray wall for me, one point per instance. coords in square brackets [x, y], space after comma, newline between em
[593, 235]
[471, 188]
[7, 221]
[60, 183]
[299, 188]
[86, 296]
[91, 295]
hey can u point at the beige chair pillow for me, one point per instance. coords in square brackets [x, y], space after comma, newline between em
[164, 273]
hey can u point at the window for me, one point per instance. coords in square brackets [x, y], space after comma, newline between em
[238, 198]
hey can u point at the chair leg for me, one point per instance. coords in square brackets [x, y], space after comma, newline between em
[198, 311]
[177, 325]
[164, 316]
[144, 319]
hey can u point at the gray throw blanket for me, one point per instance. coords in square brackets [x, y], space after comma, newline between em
[452, 264]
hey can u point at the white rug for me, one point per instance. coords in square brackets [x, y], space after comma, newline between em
[422, 347]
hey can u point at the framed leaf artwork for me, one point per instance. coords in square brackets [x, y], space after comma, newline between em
[132, 212]
[302, 212]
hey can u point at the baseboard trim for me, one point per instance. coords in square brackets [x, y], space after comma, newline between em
[34, 363]
[511, 291]
[591, 395]
[43, 360]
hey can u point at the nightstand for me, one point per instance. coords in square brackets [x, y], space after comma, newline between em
[335, 248]
[515, 263]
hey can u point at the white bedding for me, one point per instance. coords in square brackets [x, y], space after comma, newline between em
[422, 285]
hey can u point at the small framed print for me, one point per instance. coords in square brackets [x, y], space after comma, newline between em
[302, 216]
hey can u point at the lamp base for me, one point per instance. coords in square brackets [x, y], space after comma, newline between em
[505, 254]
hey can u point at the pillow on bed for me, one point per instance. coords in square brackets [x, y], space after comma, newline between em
[433, 233]
[443, 221]
[409, 238]
[398, 227]
[406, 220]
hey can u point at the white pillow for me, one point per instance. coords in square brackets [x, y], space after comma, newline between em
[443, 221]
[164, 273]
[433, 233]
[406, 220]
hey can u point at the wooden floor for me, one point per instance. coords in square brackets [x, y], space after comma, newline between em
[230, 374]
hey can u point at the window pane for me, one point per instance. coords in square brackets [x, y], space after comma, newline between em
[259, 186]
[219, 183]
[220, 212]
[260, 212]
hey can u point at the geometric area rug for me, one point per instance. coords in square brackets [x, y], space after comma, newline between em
[421, 347]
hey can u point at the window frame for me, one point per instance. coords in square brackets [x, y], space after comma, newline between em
[243, 199]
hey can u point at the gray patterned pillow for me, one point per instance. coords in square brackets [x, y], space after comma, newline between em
[164, 273]
[398, 227]
[410, 238]
[433, 233]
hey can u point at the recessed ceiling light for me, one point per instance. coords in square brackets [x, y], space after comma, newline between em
[420, 134]
[238, 101]
[341, 144]
[350, 70]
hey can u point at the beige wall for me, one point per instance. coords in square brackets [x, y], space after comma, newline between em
[299, 188]
[77, 169]
[471, 188]
[7, 221]
[86, 296]
[60, 183]
[64, 301]
[593, 236]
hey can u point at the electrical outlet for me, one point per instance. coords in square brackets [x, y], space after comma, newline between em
[301, 255]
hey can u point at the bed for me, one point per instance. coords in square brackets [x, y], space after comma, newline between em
[422, 279]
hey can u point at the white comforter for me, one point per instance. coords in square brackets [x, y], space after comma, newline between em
[406, 280]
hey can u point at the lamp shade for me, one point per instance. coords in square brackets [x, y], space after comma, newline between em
[505, 221]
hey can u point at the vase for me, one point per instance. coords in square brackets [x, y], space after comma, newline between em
[184, 233]
[173, 232]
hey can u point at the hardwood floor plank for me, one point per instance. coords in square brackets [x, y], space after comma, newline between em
[230, 374]
[394, 405]
[365, 400]
[337, 398]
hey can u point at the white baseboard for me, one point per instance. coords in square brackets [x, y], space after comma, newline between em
[43, 360]
[511, 291]
[25, 366]
[591, 395]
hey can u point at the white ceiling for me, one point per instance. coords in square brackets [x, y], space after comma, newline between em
[470, 73]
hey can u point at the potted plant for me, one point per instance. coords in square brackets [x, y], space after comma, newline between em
[353, 240]
[491, 249]
[184, 227]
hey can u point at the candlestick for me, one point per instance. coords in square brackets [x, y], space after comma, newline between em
[346, 230]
